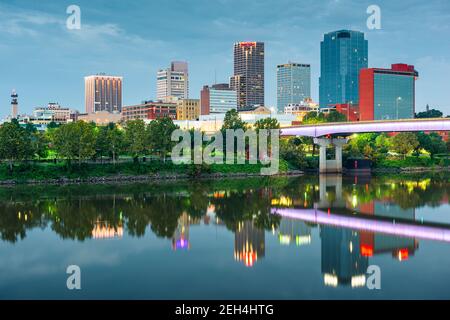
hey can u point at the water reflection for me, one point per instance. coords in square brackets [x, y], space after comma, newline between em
[357, 219]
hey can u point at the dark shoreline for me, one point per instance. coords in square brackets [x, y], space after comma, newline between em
[118, 179]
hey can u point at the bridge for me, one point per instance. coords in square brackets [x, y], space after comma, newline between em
[323, 134]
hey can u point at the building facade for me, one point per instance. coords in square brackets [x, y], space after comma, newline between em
[293, 84]
[149, 110]
[248, 77]
[103, 93]
[342, 55]
[387, 94]
[188, 109]
[173, 82]
[218, 98]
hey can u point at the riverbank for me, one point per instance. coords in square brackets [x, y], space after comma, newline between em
[57, 174]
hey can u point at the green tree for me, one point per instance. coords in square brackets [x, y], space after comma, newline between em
[335, 116]
[135, 138]
[433, 113]
[267, 123]
[115, 138]
[291, 150]
[159, 133]
[314, 118]
[14, 143]
[404, 143]
[432, 143]
[233, 121]
[75, 140]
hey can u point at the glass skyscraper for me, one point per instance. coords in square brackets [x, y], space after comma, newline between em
[293, 84]
[342, 55]
[387, 94]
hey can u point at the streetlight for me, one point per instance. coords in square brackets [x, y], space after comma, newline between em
[397, 101]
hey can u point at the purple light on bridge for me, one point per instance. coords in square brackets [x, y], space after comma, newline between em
[362, 224]
[366, 127]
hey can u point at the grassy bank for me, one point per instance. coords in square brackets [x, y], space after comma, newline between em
[43, 171]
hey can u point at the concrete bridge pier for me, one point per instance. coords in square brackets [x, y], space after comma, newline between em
[330, 166]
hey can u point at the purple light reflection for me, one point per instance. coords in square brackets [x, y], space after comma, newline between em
[362, 224]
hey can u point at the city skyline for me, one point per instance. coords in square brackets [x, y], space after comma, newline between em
[58, 52]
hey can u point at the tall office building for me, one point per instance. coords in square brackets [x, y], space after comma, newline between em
[387, 94]
[293, 84]
[14, 104]
[248, 78]
[342, 55]
[173, 82]
[218, 98]
[103, 93]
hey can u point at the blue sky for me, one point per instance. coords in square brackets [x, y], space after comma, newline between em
[44, 61]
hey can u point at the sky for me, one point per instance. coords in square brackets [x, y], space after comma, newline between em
[46, 62]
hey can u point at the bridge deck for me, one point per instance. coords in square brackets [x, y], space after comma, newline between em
[324, 129]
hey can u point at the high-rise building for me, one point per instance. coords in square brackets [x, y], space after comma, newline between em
[188, 109]
[387, 94]
[293, 84]
[14, 104]
[103, 93]
[173, 82]
[248, 78]
[342, 55]
[249, 243]
[218, 98]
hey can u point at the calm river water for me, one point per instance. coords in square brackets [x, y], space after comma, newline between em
[259, 238]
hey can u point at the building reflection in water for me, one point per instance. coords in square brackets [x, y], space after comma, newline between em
[180, 239]
[294, 231]
[104, 231]
[249, 243]
[342, 262]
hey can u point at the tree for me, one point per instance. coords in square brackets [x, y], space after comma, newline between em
[432, 143]
[404, 143]
[335, 116]
[102, 142]
[267, 123]
[159, 133]
[314, 118]
[75, 140]
[115, 138]
[433, 113]
[135, 138]
[14, 143]
[291, 150]
[39, 144]
[233, 121]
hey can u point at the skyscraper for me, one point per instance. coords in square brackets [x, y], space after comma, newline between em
[342, 55]
[293, 84]
[14, 104]
[387, 94]
[248, 78]
[103, 93]
[173, 82]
